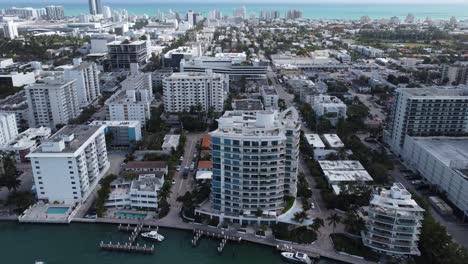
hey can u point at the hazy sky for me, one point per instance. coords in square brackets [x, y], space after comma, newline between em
[252, 1]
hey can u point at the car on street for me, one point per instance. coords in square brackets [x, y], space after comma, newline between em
[178, 168]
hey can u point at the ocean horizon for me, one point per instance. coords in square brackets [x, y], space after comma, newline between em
[311, 11]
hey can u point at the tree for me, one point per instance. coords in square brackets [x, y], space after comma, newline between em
[9, 176]
[353, 223]
[334, 220]
[300, 216]
[318, 223]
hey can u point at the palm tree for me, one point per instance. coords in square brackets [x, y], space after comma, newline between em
[334, 220]
[318, 223]
[300, 216]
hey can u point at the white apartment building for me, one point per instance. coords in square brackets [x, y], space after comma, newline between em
[139, 194]
[16, 104]
[17, 79]
[8, 128]
[25, 142]
[124, 134]
[99, 42]
[330, 107]
[443, 162]
[393, 223]
[10, 30]
[139, 81]
[431, 111]
[68, 166]
[129, 105]
[86, 75]
[255, 164]
[181, 91]
[55, 12]
[52, 102]
[270, 96]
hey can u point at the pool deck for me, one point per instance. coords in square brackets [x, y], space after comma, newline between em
[37, 213]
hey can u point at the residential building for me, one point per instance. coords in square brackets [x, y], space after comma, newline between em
[26, 142]
[123, 53]
[55, 12]
[330, 107]
[10, 30]
[16, 79]
[368, 51]
[95, 7]
[129, 105]
[248, 105]
[171, 142]
[443, 162]
[52, 102]
[141, 194]
[339, 172]
[333, 141]
[183, 91]
[16, 104]
[121, 134]
[24, 12]
[99, 42]
[86, 75]
[393, 222]
[255, 164]
[269, 96]
[68, 166]
[429, 111]
[455, 74]
[8, 128]
[138, 81]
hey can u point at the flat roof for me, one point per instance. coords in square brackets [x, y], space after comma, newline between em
[346, 165]
[333, 140]
[270, 90]
[248, 105]
[81, 133]
[145, 164]
[314, 140]
[459, 92]
[130, 123]
[347, 176]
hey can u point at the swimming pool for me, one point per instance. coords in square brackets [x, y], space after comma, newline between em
[56, 210]
[130, 215]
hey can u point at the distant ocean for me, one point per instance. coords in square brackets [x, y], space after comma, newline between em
[313, 11]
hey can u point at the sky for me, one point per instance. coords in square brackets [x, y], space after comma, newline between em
[445, 2]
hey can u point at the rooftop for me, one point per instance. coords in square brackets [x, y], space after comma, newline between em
[145, 164]
[126, 123]
[248, 105]
[73, 137]
[337, 165]
[333, 140]
[147, 183]
[347, 176]
[269, 90]
[314, 140]
[461, 92]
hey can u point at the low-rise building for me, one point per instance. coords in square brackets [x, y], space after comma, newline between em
[16, 79]
[141, 194]
[26, 142]
[333, 141]
[171, 142]
[393, 222]
[143, 167]
[339, 172]
[270, 96]
[330, 107]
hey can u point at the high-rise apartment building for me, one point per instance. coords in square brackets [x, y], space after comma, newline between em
[52, 102]
[255, 164]
[68, 166]
[8, 128]
[55, 12]
[394, 222]
[10, 30]
[95, 7]
[431, 111]
[86, 75]
[182, 91]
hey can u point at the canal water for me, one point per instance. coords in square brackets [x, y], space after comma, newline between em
[78, 244]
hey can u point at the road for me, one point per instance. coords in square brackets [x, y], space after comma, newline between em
[182, 185]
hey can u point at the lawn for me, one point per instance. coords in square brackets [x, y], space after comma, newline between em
[353, 246]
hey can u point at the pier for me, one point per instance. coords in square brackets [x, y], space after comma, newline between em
[198, 233]
[130, 246]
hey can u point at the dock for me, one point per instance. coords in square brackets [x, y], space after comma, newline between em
[130, 245]
[198, 233]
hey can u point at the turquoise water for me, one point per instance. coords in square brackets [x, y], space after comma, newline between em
[78, 244]
[316, 11]
[56, 210]
[130, 215]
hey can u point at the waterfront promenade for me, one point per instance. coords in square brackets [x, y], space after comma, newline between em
[312, 249]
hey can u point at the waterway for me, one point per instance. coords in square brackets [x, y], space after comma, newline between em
[78, 244]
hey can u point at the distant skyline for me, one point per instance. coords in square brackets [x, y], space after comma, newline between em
[373, 2]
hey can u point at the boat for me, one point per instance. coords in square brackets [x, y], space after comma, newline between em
[296, 257]
[153, 235]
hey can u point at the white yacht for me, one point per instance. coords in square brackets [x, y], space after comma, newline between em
[153, 235]
[297, 257]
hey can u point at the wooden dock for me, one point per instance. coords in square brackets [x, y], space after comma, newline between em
[130, 245]
[198, 233]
